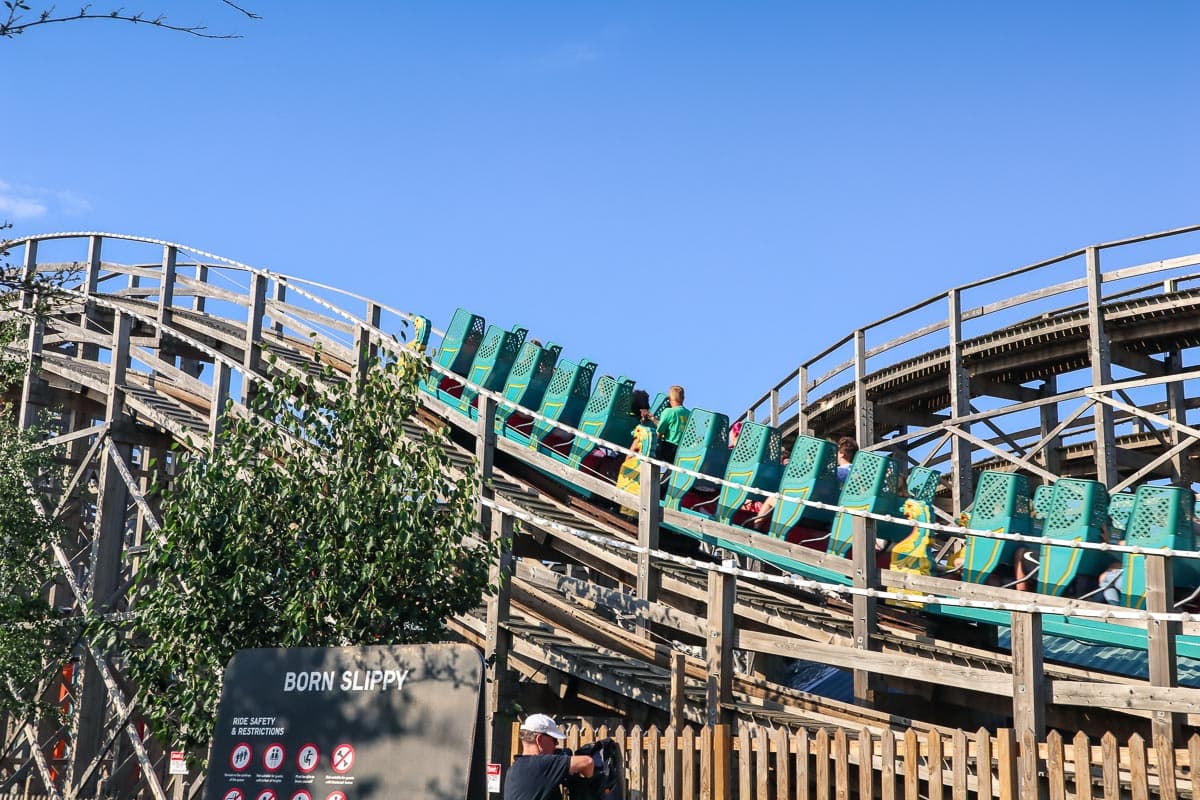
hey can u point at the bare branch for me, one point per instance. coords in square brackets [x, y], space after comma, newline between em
[245, 11]
[15, 23]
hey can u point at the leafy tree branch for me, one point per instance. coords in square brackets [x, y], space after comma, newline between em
[324, 518]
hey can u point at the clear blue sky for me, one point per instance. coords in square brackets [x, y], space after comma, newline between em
[684, 192]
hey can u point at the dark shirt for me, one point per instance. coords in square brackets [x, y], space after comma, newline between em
[537, 777]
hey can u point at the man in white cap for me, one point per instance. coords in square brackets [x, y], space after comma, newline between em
[538, 772]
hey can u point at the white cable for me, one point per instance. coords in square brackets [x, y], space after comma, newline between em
[799, 582]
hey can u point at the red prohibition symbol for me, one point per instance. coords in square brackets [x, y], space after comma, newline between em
[336, 796]
[267, 794]
[342, 759]
[307, 758]
[239, 759]
[233, 794]
[302, 795]
[273, 757]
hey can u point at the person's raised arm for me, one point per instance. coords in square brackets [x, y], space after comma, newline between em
[583, 765]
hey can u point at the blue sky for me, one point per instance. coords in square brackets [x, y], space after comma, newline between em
[690, 192]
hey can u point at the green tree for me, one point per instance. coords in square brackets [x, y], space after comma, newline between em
[34, 636]
[319, 520]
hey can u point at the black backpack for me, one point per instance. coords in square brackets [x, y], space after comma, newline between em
[608, 780]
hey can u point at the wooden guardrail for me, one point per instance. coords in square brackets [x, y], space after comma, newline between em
[757, 763]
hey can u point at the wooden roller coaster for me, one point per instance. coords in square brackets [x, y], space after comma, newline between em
[623, 606]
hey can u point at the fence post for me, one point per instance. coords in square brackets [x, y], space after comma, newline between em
[1160, 640]
[649, 579]
[722, 751]
[1006, 763]
[719, 651]
[866, 576]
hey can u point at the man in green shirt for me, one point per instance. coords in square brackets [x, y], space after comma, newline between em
[671, 425]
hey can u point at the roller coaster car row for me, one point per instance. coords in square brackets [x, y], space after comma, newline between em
[529, 374]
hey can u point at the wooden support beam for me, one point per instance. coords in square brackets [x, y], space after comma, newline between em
[1006, 391]
[279, 295]
[802, 418]
[166, 288]
[500, 685]
[678, 689]
[962, 478]
[649, 578]
[220, 398]
[198, 297]
[1177, 412]
[32, 387]
[373, 318]
[864, 416]
[91, 281]
[252, 342]
[1138, 362]
[1100, 355]
[362, 354]
[1160, 642]
[1029, 688]
[1050, 440]
[718, 651]
[104, 565]
[485, 456]
[866, 616]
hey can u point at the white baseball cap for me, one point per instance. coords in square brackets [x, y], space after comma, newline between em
[540, 723]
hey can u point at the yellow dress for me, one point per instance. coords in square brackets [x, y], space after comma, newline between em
[630, 477]
[911, 554]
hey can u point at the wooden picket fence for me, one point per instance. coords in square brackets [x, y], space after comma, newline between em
[757, 763]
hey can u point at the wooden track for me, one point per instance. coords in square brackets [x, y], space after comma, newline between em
[129, 370]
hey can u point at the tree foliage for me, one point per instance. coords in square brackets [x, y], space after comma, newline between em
[319, 520]
[33, 635]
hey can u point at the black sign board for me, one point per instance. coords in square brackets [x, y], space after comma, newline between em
[347, 723]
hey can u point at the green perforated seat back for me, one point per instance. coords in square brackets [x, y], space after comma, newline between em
[704, 448]
[1161, 517]
[461, 342]
[810, 474]
[565, 397]
[872, 485]
[1078, 512]
[756, 462]
[1041, 501]
[493, 361]
[660, 402]
[1001, 505]
[606, 416]
[923, 483]
[1119, 506]
[528, 379]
